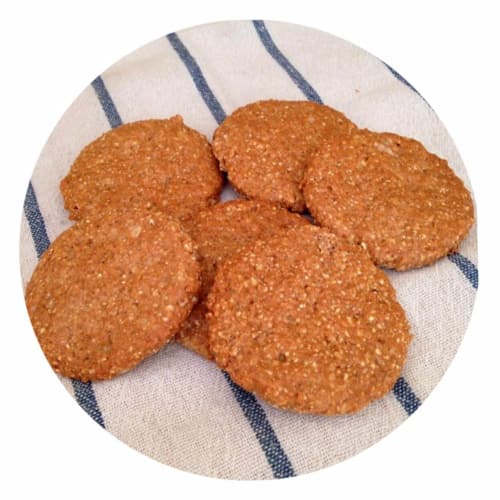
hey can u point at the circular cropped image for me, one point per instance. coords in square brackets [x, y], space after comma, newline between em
[249, 250]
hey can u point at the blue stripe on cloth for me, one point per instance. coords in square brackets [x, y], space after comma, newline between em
[84, 393]
[404, 81]
[253, 411]
[107, 104]
[467, 267]
[281, 59]
[35, 221]
[402, 390]
[405, 395]
[198, 79]
[256, 416]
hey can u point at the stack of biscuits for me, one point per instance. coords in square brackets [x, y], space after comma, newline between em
[298, 312]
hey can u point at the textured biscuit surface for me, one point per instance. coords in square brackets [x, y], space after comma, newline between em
[157, 164]
[264, 146]
[218, 232]
[112, 290]
[308, 322]
[390, 194]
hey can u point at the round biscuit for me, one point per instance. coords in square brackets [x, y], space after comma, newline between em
[307, 322]
[264, 146]
[110, 291]
[218, 232]
[391, 195]
[155, 164]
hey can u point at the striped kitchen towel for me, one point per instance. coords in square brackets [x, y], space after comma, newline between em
[177, 407]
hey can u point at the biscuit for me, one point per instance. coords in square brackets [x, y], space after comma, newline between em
[391, 195]
[155, 164]
[264, 146]
[218, 232]
[112, 290]
[307, 322]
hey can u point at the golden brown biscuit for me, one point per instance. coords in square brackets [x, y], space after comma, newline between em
[218, 232]
[264, 146]
[112, 290]
[306, 321]
[390, 194]
[155, 164]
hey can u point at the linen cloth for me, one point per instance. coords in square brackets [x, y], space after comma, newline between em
[177, 407]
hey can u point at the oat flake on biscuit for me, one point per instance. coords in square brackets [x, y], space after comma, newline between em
[263, 146]
[155, 164]
[307, 322]
[111, 291]
[218, 232]
[387, 192]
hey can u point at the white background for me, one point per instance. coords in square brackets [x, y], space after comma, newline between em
[51, 50]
